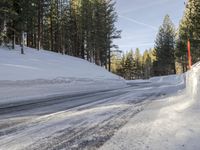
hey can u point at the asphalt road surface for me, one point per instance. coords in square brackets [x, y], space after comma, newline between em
[81, 121]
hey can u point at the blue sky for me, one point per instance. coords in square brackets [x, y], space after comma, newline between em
[139, 21]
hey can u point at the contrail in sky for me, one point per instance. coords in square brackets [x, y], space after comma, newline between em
[137, 45]
[138, 22]
[147, 5]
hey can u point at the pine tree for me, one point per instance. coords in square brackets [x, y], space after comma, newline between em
[138, 63]
[189, 29]
[165, 48]
[81, 28]
[147, 64]
[121, 68]
[130, 66]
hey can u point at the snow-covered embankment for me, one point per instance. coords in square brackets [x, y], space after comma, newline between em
[42, 74]
[193, 82]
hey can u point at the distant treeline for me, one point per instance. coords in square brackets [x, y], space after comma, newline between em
[81, 28]
[134, 65]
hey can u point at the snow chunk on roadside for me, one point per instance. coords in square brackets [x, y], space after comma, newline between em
[193, 82]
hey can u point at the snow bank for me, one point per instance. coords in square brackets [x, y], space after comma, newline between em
[192, 79]
[193, 82]
[172, 79]
[47, 65]
[40, 74]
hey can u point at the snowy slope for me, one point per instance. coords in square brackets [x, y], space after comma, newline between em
[169, 123]
[42, 73]
[47, 65]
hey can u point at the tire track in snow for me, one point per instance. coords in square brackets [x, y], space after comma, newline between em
[88, 137]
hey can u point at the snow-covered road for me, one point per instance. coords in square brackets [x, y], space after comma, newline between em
[84, 121]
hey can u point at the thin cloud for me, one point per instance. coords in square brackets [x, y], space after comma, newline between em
[137, 45]
[147, 5]
[138, 22]
[145, 44]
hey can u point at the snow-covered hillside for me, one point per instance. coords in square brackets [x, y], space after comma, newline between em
[43, 73]
[47, 65]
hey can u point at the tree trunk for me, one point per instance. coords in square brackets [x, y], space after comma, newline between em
[109, 61]
[51, 31]
[13, 41]
[39, 25]
[82, 49]
[22, 43]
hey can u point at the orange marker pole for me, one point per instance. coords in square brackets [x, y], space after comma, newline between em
[189, 55]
